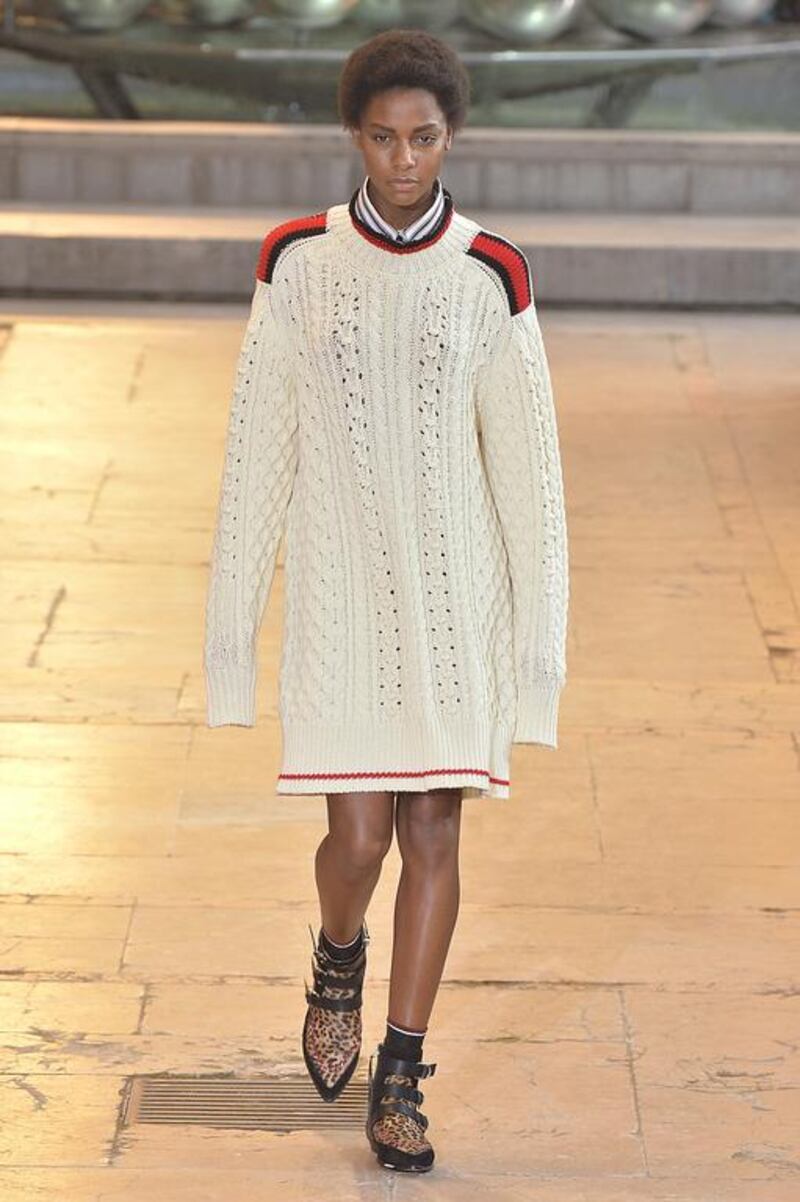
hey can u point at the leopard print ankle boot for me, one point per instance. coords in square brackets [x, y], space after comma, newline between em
[332, 1027]
[395, 1126]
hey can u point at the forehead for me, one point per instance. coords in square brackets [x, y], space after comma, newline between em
[413, 108]
[416, 129]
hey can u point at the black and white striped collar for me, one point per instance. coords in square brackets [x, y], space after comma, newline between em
[422, 230]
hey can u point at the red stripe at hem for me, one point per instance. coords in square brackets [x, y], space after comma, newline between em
[494, 780]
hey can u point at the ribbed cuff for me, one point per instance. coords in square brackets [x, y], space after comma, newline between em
[537, 712]
[231, 696]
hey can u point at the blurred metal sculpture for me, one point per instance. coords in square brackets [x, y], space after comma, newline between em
[421, 14]
[654, 18]
[296, 82]
[100, 14]
[313, 14]
[218, 13]
[522, 20]
[739, 12]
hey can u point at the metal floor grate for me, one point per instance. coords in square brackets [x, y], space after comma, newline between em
[260, 1103]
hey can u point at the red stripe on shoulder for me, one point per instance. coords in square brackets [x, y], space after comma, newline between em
[510, 264]
[283, 235]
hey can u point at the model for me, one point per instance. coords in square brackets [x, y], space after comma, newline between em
[393, 416]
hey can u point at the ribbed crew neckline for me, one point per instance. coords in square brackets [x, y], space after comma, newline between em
[415, 230]
[370, 250]
[389, 244]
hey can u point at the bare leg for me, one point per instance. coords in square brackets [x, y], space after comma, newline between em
[349, 859]
[347, 867]
[427, 901]
[426, 907]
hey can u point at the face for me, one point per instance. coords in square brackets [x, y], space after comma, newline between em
[403, 135]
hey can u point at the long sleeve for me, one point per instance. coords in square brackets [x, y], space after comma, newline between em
[257, 482]
[520, 448]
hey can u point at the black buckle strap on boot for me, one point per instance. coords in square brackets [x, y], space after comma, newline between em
[405, 1068]
[400, 1099]
[338, 975]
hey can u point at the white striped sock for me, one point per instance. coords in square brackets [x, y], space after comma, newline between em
[404, 1030]
[350, 944]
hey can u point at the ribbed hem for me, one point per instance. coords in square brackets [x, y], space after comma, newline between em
[537, 713]
[411, 754]
[231, 696]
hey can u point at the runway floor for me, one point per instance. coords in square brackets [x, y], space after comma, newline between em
[619, 1019]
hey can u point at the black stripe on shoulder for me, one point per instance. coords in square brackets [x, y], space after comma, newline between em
[284, 235]
[509, 263]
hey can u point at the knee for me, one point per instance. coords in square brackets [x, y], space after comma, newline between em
[429, 840]
[362, 851]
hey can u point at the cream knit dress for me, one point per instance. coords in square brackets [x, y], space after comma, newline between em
[392, 416]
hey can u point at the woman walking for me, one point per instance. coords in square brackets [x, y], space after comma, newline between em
[393, 415]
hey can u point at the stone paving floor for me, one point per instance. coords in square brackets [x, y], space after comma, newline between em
[619, 1018]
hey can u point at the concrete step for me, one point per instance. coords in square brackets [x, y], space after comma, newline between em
[305, 168]
[653, 259]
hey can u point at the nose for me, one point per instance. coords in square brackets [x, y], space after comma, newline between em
[405, 158]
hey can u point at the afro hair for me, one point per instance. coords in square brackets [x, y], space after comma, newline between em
[403, 58]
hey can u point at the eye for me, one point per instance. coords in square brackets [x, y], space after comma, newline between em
[429, 138]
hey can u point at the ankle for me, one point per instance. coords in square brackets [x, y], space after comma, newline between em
[403, 1041]
[341, 951]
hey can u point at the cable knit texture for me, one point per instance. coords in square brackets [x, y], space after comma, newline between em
[393, 417]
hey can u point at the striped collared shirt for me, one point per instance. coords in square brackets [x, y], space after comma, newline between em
[417, 229]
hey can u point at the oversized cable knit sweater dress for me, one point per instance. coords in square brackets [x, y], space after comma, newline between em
[393, 417]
